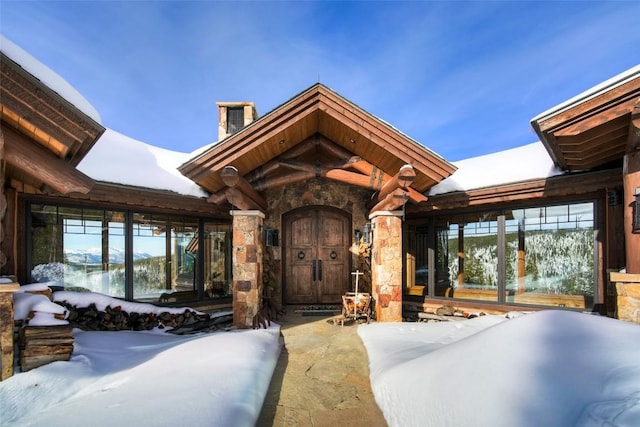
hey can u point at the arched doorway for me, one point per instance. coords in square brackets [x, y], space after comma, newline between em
[316, 255]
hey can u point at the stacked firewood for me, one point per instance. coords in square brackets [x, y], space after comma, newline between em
[40, 345]
[90, 318]
[364, 265]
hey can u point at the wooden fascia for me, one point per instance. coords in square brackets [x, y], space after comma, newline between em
[386, 137]
[591, 107]
[560, 186]
[268, 126]
[594, 121]
[29, 157]
[26, 96]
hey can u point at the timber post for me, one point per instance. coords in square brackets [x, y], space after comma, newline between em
[631, 182]
[247, 266]
[386, 265]
[6, 328]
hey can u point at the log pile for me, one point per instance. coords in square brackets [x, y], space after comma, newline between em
[90, 318]
[40, 345]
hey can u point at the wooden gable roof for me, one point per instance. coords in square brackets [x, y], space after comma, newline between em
[596, 128]
[45, 136]
[344, 136]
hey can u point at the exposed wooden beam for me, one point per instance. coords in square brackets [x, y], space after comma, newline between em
[30, 158]
[217, 198]
[290, 178]
[633, 138]
[402, 179]
[392, 201]
[240, 200]
[232, 179]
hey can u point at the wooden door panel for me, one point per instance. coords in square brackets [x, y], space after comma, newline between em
[320, 237]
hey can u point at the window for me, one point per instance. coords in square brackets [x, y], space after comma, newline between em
[543, 256]
[235, 119]
[86, 248]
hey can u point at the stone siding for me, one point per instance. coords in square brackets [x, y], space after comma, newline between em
[627, 289]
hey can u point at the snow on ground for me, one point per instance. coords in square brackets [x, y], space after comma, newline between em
[143, 378]
[551, 368]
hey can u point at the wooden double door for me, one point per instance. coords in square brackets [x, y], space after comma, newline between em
[316, 255]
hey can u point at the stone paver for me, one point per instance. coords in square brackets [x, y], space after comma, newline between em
[322, 377]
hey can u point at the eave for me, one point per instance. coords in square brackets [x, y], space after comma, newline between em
[317, 111]
[595, 129]
[45, 135]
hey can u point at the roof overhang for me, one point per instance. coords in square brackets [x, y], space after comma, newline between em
[321, 115]
[45, 136]
[596, 128]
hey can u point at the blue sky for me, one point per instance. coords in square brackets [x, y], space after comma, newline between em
[462, 78]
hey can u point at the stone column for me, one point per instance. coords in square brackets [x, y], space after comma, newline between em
[247, 266]
[6, 328]
[386, 265]
[627, 288]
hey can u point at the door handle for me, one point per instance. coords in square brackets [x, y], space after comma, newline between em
[313, 267]
[320, 270]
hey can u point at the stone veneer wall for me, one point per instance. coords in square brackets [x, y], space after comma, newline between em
[627, 292]
[386, 265]
[317, 191]
[247, 266]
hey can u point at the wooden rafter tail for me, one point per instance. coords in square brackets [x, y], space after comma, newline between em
[231, 177]
[403, 179]
[392, 201]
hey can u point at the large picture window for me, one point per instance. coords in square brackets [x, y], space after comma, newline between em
[139, 256]
[542, 256]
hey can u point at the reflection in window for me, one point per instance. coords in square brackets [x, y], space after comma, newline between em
[550, 253]
[85, 249]
[78, 248]
[548, 259]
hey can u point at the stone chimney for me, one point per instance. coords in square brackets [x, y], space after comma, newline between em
[233, 116]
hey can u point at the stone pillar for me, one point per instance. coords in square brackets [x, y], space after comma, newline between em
[386, 265]
[6, 328]
[247, 266]
[627, 290]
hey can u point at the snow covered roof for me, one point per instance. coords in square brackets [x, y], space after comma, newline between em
[119, 159]
[47, 76]
[605, 86]
[518, 164]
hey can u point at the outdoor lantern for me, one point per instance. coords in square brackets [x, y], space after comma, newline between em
[367, 233]
[636, 212]
[271, 237]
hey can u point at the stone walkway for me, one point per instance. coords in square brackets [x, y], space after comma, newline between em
[321, 378]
